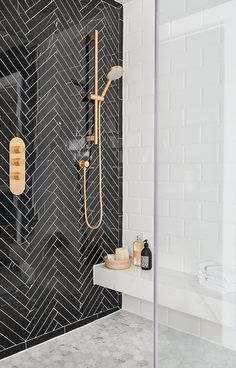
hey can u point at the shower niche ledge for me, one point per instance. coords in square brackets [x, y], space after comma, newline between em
[176, 290]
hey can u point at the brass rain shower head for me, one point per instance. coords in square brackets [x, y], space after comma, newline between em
[116, 72]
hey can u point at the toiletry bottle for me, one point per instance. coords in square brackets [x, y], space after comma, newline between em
[146, 257]
[137, 249]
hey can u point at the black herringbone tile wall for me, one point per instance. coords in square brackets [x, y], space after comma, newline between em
[46, 251]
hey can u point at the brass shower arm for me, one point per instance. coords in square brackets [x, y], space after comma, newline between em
[106, 88]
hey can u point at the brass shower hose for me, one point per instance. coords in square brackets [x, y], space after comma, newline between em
[95, 227]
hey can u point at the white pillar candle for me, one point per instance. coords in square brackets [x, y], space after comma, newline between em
[122, 254]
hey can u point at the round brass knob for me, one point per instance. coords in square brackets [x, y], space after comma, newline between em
[83, 164]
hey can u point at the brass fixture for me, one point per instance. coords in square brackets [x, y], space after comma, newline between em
[83, 164]
[17, 166]
[114, 73]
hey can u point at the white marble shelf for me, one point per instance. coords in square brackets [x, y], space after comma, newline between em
[133, 281]
[176, 290]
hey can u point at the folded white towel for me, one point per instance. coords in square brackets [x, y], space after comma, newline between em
[218, 272]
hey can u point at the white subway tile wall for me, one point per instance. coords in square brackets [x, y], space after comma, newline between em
[191, 142]
[139, 40]
[170, 10]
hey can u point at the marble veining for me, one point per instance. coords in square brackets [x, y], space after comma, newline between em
[123, 340]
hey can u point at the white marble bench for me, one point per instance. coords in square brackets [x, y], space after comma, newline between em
[176, 290]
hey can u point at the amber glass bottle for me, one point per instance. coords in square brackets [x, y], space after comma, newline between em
[137, 249]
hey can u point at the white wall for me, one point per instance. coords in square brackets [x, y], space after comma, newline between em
[191, 147]
[174, 9]
[139, 41]
[197, 160]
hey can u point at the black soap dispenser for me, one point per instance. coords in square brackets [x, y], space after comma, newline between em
[146, 257]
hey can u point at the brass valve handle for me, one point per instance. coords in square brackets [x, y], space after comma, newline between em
[17, 162]
[16, 176]
[83, 164]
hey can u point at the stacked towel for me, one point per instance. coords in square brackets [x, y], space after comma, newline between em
[217, 277]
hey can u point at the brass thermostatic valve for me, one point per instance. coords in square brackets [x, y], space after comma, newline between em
[83, 164]
[17, 166]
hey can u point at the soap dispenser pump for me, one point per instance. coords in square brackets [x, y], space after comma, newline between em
[146, 257]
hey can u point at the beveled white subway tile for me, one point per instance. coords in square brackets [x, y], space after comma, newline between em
[132, 205]
[137, 88]
[172, 47]
[185, 209]
[133, 74]
[129, 236]
[172, 261]
[212, 94]
[174, 117]
[125, 189]
[133, 106]
[141, 223]
[213, 133]
[201, 153]
[168, 225]
[213, 54]
[141, 190]
[147, 173]
[203, 114]
[211, 250]
[132, 38]
[185, 135]
[171, 190]
[147, 70]
[163, 172]
[185, 172]
[132, 172]
[139, 121]
[189, 24]
[183, 98]
[163, 243]
[183, 61]
[126, 221]
[163, 208]
[147, 137]
[164, 31]
[212, 173]
[201, 192]
[132, 139]
[207, 75]
[203, 38]
[164, 137]
[164, 101]
[174, 154]
[187, 247]
[170, 81]
[201, 230]
[212, 212]
[147, 206]
[164, 65]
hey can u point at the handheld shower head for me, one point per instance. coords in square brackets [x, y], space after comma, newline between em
[116, 72]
